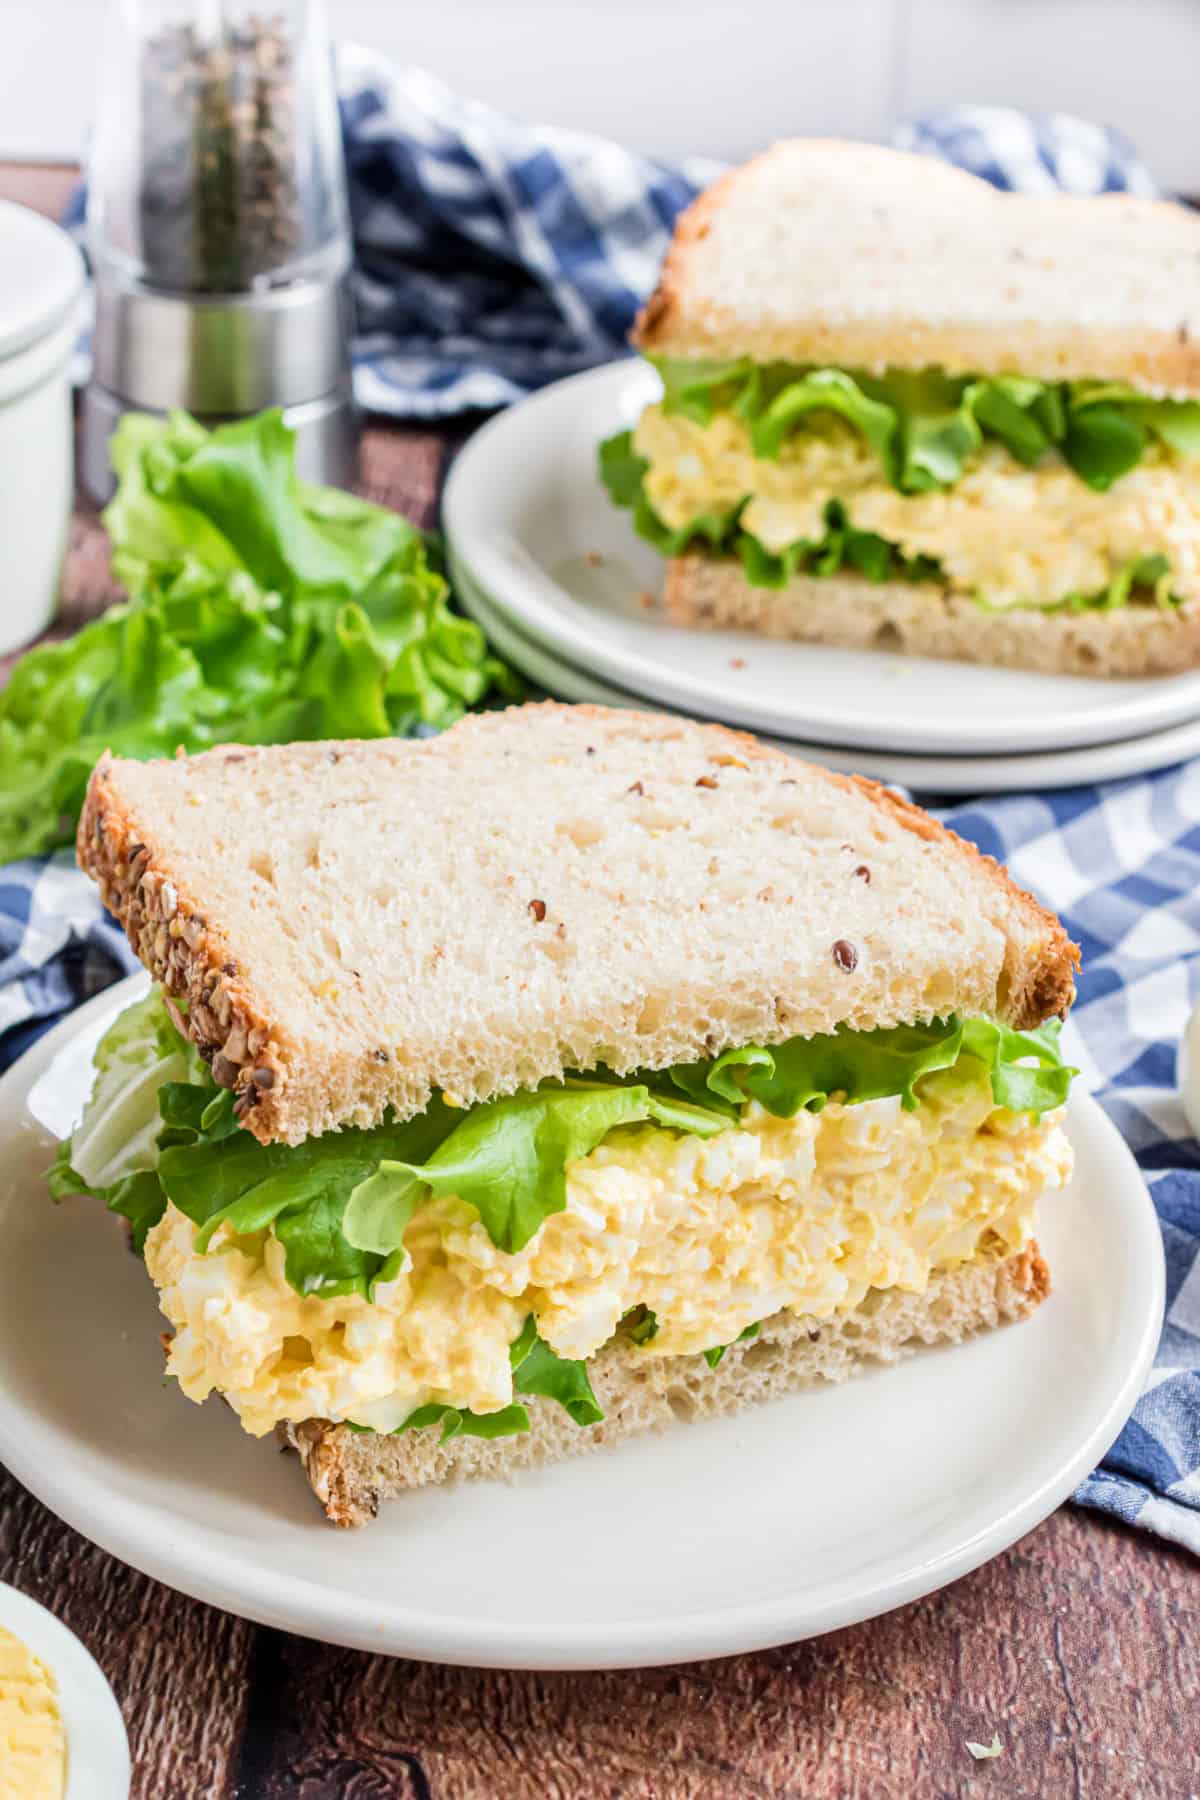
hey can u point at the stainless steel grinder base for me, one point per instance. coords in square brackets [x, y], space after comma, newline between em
[222, 357]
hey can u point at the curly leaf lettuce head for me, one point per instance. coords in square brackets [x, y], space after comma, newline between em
[261, 610]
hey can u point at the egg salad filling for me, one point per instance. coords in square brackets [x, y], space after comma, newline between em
[442, 1270]
[1010, 492]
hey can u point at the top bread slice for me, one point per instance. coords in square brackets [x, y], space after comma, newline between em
[537, 890]
[860, 257]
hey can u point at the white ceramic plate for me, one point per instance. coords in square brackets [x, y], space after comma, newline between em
[723, 1536]
[524, 511]
[940, 775]
[97, 1747]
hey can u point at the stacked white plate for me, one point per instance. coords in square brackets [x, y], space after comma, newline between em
[568, 594]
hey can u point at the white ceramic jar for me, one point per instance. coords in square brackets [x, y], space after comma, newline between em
[41, 279]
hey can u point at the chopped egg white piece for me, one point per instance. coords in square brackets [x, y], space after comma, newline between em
[33, 1743]
[710, 1234]
[1011, 535]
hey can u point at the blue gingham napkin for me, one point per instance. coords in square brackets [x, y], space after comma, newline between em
[493, 257]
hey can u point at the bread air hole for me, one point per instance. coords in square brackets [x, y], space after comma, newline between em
[656, 819]
[263, 865]
[651, 1015]
[583, 833]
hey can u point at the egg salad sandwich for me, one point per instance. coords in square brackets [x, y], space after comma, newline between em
[902, 409]
[570, 1073]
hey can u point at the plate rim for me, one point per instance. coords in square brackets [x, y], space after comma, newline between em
[939, 774]
[1149, 710]
[321, 1612]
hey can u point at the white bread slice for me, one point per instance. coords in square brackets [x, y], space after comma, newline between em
[351, 1472]
[711, 592]
[859, 257]
[537, 890]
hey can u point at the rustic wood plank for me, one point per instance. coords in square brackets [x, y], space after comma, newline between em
[1079, 1646]
[179, 1669]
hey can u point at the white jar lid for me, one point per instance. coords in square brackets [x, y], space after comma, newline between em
[41, 277]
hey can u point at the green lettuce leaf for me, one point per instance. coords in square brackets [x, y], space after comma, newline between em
[140, 1199]
[873, 1065]
[112, 1154]
[622, 469]
[1026, 1068]
[699, 389]
[712, 1357]
[643, 1324]
[260, 610]
[826, 390]
[537, 1369]
[301, 1191]
[1103, 443]
[458, 1421]
[924, 425]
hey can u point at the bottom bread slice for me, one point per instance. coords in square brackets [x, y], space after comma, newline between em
[711, 592]
[351, 1472]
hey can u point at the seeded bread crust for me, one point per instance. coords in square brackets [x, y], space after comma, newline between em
[712, 593]
[351, 1473]
[852, 255]
[653, 945]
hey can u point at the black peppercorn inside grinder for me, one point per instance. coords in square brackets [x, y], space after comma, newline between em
[217, 227]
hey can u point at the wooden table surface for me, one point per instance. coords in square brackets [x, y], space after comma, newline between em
[1080, 1645]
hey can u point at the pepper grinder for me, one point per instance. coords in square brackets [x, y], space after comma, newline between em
[217, 228]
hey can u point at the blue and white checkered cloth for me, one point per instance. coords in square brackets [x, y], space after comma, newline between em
[494, 257]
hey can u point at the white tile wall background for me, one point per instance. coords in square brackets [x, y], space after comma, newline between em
[674, 75]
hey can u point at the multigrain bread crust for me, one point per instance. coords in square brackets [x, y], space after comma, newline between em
[866, 258]
[352, 926]
[711, 592]
[351, 1472]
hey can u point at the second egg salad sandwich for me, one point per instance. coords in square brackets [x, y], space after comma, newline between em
[570, 1073]
[903, 409]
